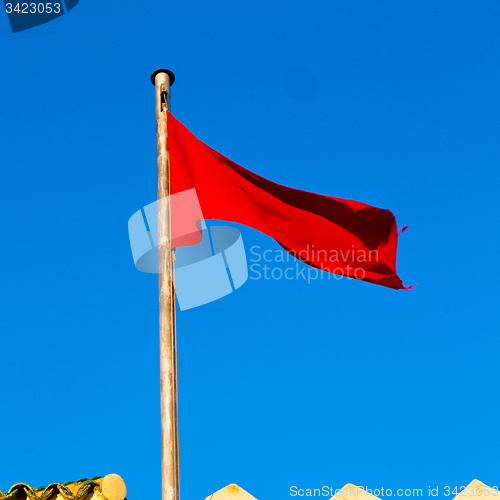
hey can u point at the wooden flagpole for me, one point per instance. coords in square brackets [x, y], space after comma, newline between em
[162, 80]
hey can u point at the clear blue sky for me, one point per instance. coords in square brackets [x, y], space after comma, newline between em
[282, 383]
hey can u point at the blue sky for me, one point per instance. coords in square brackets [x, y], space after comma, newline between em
[281, 383]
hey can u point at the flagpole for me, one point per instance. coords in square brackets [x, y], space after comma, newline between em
[162, 80]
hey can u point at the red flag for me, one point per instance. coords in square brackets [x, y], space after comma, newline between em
[343, 237]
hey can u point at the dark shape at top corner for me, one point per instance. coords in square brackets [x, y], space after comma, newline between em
[70, 4]
[22, 17]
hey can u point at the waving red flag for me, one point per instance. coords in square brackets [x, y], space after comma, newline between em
[343, 237]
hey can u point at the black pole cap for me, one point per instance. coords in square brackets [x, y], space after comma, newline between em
[169, 73]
